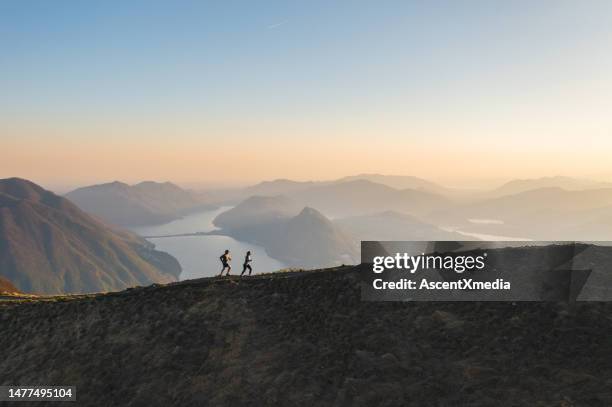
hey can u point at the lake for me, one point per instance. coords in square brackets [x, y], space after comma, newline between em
[199, 255]
[196, 222]
[486, 237]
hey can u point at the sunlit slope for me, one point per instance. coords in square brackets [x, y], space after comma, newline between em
[49, 246]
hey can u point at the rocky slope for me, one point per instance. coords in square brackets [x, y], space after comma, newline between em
[49, 246]
[306, 339]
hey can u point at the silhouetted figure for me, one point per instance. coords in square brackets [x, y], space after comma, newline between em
[247, 263]
[226, 258]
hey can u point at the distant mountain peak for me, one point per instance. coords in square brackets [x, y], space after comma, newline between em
[311, 213]
[396, 181]
[257, 209]
[156, 184]
[264, 198]
[17, 180]
[21, 188]
[311, 220]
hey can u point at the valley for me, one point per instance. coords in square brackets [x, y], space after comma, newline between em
[191, 241]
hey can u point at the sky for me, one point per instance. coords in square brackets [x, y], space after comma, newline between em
[234, 92]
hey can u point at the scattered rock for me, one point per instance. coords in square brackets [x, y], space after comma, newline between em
[390, 357]
[449, 320]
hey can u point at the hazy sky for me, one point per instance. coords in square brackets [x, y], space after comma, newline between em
[232, 91]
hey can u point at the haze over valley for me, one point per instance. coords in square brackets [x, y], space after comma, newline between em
[285, 223]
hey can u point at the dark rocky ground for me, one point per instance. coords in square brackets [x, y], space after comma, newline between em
[305, 339]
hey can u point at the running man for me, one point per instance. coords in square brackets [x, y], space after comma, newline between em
[247, 263]
[226, 258]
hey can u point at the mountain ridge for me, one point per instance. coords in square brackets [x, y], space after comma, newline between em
[567, 183]
[311, 333]
[359, 197]
[48, 245]
[145, 203]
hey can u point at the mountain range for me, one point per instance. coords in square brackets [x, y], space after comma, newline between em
[49, 246]
[146, 203]
[397, 182]
[359, 194]
[305, 237]
[360, 197]
[541, 214]
[286, 186]
[568, 183]
[150, 203]
[367, 210]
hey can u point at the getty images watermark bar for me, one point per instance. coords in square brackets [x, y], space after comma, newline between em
[486, 271]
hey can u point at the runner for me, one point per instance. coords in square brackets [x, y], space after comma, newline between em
[226, 258]
[247, 263]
